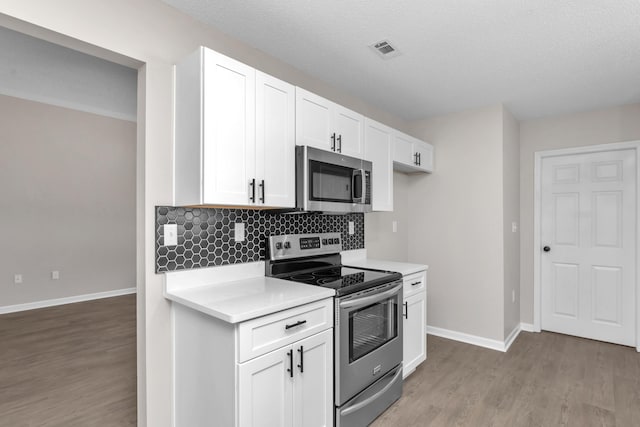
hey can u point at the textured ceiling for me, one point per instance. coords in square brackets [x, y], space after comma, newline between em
[538, 57]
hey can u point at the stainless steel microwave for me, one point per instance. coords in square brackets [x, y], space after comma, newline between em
[331, 182]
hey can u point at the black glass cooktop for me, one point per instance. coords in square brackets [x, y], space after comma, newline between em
[344, 280]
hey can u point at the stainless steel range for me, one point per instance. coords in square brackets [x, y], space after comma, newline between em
[368, 322]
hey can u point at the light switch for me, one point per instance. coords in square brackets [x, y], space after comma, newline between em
[351, 228]
[55, 275]
[170, 234]
[514, 227]
[394, 226]
[238, 232]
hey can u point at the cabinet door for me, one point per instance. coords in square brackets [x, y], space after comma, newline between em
[275, 143]
[313, 385]
[425, 155]
[414, 343]
[228, 130]
[378, 150]
[349, 128]
[313, 120]
[265, 390]
[403, 149]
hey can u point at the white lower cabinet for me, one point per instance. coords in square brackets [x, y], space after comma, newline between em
[291, 386]
[274, 370]
[414, 347]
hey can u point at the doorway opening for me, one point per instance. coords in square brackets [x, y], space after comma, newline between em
[69, 178]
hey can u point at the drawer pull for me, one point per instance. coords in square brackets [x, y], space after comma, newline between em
[298, 323]
[416, 283]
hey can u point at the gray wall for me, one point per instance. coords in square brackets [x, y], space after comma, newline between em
[68, 194]
[380, 240]
[456, 219]
[511, 209]
[575, 130]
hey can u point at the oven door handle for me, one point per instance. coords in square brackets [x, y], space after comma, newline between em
[370, 298]
[348, 410]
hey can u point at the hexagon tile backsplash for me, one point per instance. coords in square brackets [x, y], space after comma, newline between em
[206, 236]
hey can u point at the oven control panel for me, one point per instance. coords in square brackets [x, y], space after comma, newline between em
[301, 245]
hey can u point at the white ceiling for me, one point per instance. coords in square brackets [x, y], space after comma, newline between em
[538, 57]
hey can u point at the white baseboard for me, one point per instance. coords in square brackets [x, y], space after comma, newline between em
[66, 300]
[476, 340]
[512, 337]
[527, 327]
[466, 338]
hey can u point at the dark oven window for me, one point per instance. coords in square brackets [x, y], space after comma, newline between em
[371, 327]
[329, 183]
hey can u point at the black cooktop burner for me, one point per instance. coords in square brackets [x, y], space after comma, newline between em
[344, 280]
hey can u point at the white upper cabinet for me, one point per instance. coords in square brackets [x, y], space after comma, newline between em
[228, 130]
[275, 141]
[411, 154]
[231, 122]
[326, 125]
[378, 149]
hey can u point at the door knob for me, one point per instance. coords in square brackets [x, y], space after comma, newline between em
[546, 249]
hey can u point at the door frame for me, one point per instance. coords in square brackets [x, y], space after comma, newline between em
[537, 214]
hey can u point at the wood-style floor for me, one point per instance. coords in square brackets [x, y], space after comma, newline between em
[71, 365]
[75, 365]
[545, 379]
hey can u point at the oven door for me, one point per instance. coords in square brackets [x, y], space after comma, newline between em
[369, 338]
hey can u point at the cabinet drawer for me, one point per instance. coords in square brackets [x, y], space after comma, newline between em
[414, 283]
[261, 335]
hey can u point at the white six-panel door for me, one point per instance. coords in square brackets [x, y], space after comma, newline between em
[588, 245]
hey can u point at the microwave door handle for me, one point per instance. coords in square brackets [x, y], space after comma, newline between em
[370, 298]
[358, 173]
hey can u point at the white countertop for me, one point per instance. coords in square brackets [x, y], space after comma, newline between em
[245, 299]
[359, 259]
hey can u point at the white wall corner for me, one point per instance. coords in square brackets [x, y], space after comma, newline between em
[512, 337]
[527, 327]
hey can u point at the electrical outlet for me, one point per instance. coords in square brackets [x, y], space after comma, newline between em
[513, 295]
[170, 235]
[352, 229]
[238, 232]
[17, 279]
[55, 275]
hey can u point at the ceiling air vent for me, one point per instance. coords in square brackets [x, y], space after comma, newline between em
[385, 49]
